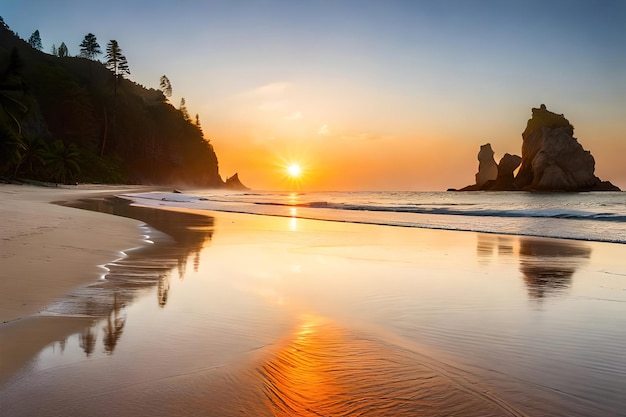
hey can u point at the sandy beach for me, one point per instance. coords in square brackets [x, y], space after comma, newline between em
[46, 252]
[238, 314]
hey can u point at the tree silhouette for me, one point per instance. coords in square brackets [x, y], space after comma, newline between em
[35, 40]
[166, 86]
[54, 51]
[62, 51]
[89, 47]
[183, 109]
[117, 63]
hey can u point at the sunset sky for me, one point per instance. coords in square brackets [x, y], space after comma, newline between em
[365, 95]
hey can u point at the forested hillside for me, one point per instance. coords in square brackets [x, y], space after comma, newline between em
[73, 119]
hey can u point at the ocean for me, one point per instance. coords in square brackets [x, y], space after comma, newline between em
[598, 216]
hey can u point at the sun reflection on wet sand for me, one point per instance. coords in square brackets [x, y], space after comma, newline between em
[327, 370]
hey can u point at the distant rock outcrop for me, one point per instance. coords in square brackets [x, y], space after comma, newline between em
[552, 160]
[503, 180]
[487, 167]
[233, 183]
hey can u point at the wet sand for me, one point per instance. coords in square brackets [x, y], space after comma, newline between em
[237, 314]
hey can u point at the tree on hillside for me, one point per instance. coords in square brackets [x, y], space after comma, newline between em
[35, 40]
[183, 109]
[89, 47]
[166, 86]
[62, 51]
[54, 51]
[117, 63]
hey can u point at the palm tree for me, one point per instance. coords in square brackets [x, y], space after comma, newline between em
[33, 154]
[62, 161]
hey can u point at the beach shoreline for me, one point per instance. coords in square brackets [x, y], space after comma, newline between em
[54, 248]
[48, 251]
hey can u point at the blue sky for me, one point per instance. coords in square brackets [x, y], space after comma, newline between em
[420, 84]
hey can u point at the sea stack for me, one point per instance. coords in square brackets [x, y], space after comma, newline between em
[552, 160]
[233, 183]
[487, 167]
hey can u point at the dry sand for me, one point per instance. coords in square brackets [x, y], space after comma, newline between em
[46, 251]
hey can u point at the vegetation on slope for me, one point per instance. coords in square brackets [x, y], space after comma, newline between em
[75, 119]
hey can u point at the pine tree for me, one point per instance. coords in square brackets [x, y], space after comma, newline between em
[35, 40]
[116, 61]
[62, 51]
[183, 109]
[166, 86]
[54, 50]
[89, 47]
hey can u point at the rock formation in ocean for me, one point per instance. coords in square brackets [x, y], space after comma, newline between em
[505, 180]
[487, 167]
[234, 183]
[552, 160]
[492, 176]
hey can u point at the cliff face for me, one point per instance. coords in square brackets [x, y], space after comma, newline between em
[68, 104]
[552, 160]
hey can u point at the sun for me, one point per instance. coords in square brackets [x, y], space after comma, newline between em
[294, 170]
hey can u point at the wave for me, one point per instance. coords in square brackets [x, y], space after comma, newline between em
[444, 210]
